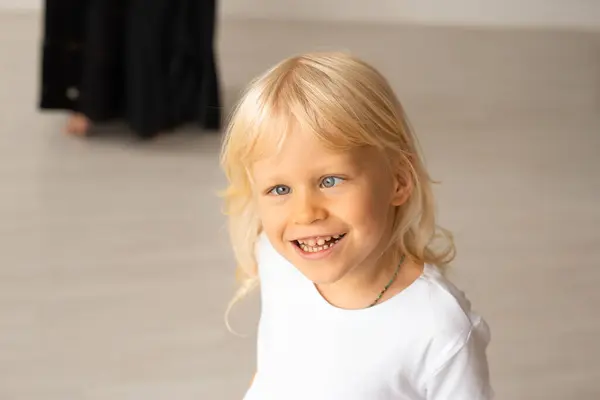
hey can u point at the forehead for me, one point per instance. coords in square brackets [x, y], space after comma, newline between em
[299, 144]
[303, 152]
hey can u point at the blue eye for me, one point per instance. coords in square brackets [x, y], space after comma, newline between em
[331, 181]
[280, 190]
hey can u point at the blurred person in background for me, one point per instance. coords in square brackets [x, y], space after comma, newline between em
[150, 63]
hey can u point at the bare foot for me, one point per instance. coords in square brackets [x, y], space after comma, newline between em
[78, 124]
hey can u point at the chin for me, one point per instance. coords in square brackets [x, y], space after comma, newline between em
[323, 274]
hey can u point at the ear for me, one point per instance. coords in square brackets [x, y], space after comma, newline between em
[403, 186]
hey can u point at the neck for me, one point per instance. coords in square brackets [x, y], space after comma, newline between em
[360, 287]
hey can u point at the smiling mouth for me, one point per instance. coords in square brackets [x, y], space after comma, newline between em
[317, 244]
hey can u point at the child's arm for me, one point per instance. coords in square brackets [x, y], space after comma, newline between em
[465, 374]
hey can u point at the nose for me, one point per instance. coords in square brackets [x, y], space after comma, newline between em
[308, 208]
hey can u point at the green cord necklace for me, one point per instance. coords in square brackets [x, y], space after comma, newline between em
[390, 282]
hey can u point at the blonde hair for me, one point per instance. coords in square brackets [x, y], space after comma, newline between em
[346, 103]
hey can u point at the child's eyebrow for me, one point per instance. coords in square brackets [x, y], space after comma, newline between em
[271, 180]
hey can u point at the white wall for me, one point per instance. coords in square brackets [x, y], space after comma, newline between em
[558, 13]
[573, 13]
[20, 4]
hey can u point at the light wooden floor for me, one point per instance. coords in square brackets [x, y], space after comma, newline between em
[114, 265]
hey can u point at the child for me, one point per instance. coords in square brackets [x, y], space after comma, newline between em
[331, 208]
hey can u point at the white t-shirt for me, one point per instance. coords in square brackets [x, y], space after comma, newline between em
[422, 344]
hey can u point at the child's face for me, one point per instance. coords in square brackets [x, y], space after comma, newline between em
[326, 212]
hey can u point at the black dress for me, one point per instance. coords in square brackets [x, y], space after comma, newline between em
[148, 62]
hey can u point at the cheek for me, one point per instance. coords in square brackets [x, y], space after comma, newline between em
[369, 214]
[272, 217]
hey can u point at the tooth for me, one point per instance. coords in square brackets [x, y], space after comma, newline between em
[326, 247]
[321, 241]
[311, 242]
[336, 236]
[320, 248]
[328, 238]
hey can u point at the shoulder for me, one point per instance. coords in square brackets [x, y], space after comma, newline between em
[262, 249]
[266, 256]
[272, 266]
[451, 313]
[457, 336]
